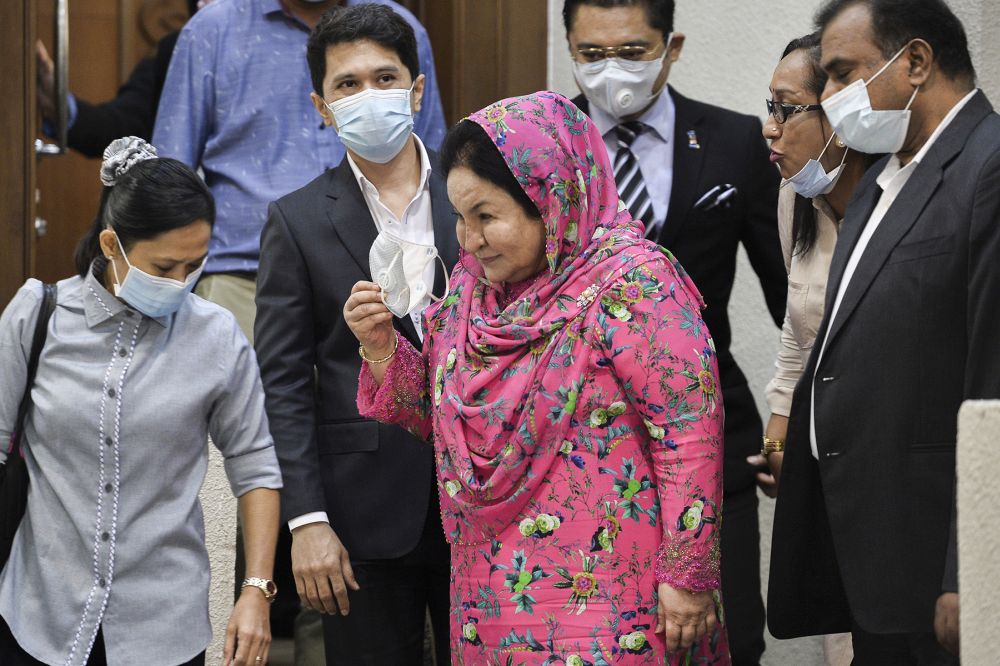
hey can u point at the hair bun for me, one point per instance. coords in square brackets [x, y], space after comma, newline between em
[121, 155]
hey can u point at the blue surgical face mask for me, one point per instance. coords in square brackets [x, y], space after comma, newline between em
[813, 180]
[374, 124]
[151, 295]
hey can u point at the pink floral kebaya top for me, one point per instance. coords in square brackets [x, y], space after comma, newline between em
[575, 417]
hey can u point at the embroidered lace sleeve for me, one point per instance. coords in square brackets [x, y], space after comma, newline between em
[654, 340]
[403, 398]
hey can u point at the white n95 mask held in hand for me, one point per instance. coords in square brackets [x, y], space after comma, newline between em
[397, 265]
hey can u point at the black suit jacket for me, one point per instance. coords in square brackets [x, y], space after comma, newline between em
[373, 480]
[132, 112]
[730, 150]
[915, 335]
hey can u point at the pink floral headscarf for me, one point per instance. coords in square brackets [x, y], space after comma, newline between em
[498, 402]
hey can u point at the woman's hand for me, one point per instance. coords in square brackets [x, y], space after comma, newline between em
[369, 320]
[248, 636]
[685, 617]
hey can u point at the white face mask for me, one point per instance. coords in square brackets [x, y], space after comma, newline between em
[397, 265]
[375, 124]
[620, 87]
[812, 180]
[862, 128]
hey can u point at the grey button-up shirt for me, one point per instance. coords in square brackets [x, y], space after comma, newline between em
[116, 449]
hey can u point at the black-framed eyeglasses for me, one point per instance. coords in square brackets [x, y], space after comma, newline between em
[627, 52]
[781, 111]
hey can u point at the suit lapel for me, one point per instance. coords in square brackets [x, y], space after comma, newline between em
[687, 166]
[855, 217]
[903, 214]
[354, 225]
[444, 228]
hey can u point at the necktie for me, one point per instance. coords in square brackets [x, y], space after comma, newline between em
[628, 177]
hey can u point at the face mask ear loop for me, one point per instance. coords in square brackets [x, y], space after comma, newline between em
[912, 97]
[447, 282]
[886, 65]
[114, 268]
[828, 142]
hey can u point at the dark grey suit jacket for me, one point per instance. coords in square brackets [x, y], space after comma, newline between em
[870, 526]
[373, 480]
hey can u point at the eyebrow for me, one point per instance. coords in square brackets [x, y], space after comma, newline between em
[836, 63]
[171, 260]
[784, 91]
[478, 206]
[385, 69]
[634, 42]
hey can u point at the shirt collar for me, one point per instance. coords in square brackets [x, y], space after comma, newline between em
[99, 305]
[425, 170]
[893, 167]
[659, 117]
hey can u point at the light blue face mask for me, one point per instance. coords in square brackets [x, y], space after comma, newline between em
[813, 180]
[374, 124]
[151, 295]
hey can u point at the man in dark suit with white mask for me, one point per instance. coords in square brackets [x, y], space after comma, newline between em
[865, 524]
[699, 177]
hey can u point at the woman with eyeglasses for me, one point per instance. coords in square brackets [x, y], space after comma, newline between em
[820, 176]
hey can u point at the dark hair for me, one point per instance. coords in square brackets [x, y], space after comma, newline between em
[376, 23]
[659, 13]
[468, 145]
[804, 229]
[151, 198]
[897, 22]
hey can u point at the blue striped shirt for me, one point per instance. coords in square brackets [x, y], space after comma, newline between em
[236, 103]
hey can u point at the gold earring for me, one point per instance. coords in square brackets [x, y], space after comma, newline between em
[840, 142]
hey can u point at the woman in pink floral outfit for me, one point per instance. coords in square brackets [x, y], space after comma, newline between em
[569, 386]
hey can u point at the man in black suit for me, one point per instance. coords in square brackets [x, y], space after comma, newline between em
[864, 534]
[360, 498]
[700, 179]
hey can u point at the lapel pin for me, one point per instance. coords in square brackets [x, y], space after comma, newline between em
[693, 140]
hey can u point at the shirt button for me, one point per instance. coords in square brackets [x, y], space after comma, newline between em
[111, 393]
[107, 488]
[105, 536]
[107, 440]
[102, 583]
[123, 352]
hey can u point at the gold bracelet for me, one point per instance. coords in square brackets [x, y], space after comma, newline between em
[772, 446]
[361, 351]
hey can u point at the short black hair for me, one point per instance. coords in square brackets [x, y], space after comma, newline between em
[368, 21]
[468, 145]
[897, 22]
[659, 13]
[151, 198]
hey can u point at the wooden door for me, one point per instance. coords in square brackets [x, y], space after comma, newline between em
[485, 50]
[17, 113]
[107, 38]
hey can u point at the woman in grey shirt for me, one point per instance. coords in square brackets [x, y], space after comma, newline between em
[109, 564]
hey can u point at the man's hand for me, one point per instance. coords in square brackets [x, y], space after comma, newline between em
[684, 617]
[946, 621]
[45, 90]
[767, 475]
[322, 569]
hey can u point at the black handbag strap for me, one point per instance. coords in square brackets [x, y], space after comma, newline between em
[41, 330]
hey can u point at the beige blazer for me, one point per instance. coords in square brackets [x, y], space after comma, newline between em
[807, 277]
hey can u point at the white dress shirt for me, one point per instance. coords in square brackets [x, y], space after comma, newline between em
[417, 226]
[892, 180]
[653, 149]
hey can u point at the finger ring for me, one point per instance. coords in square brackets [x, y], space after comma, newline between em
[258, 659]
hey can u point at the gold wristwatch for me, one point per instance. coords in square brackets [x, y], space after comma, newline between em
[772, 446]
[265, 585]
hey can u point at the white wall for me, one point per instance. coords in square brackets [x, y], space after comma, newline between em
[730, 52]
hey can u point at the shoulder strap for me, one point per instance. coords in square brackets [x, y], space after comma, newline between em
[38, 341]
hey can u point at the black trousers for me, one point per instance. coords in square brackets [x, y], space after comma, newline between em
[920, 649]
[11, 653]
[741, 577]
[386, 623]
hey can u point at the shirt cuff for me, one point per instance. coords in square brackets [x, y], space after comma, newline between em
[49, 129]
[307, 518]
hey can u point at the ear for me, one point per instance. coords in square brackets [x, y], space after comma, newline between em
[675, 46]
[322, 109]
[417, 98]
[109, 244]
[920, 59]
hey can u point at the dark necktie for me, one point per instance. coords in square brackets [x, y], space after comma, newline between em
[628, 176]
